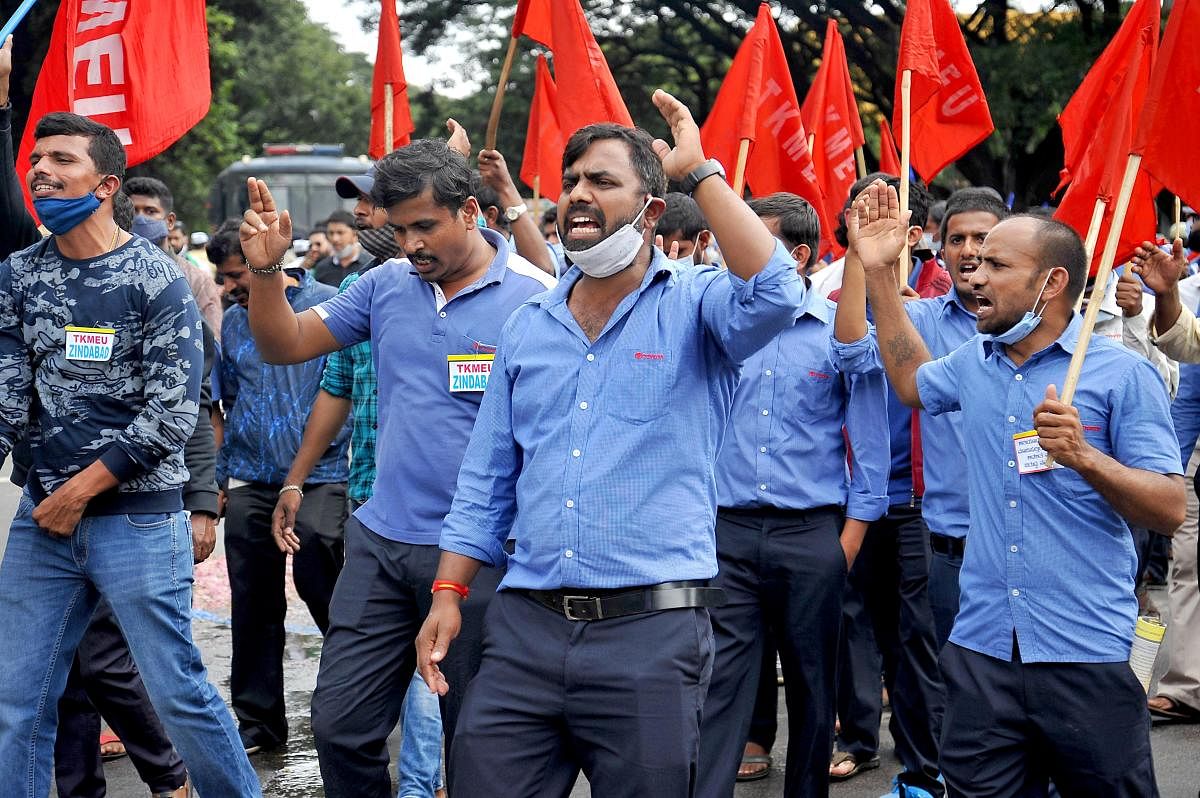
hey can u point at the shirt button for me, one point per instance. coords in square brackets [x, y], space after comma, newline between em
[762, 486]
[570, 503]
[1016, 592]
[576, 453]
[1013, 549]
[1012, 419]
[1012, 504]
[1012, 463]
[583, 405]
[762, 449]
[568, 554]
[766, 412]
[591, 357]
[442, 314]
[767, 372]
[1018, 378]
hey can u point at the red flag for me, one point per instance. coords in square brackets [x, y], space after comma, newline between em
[533, 20]
[830, 113]
[889, 156]
[544, 142]
[389, 76]
[758, 102]
[140, 68]
[1102, 164]
[1171, 111]
[948, 110]
[580, 65]
[1101, 85]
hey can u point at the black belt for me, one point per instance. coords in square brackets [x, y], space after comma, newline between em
[946, 545]
[583, 604]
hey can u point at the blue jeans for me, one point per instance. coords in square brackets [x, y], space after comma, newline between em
[420, 760]
[49, 588]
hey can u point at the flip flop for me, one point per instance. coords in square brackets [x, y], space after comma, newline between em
[754, 759]
[841, 757]
[108, 738]
[1175, 713]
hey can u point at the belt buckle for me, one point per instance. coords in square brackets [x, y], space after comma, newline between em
[591, 603]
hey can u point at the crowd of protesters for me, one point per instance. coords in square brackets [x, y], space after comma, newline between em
[576, 489]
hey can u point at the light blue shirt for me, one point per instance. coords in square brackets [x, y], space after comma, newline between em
[944, 324]
[597, 458]
[424, 426]
[784, 446]
[1047, 555]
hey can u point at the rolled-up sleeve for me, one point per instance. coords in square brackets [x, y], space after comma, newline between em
[859, 357]
[744, 315]
[870, 441]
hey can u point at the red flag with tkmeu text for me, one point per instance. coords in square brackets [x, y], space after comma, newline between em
[949, 111]
[389, 75]
[544, 141]
[830, 113]
[140, 68]
[757, 101]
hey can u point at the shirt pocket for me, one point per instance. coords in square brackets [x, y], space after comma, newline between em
[1066, 480]
[813, 392]
[639, 384]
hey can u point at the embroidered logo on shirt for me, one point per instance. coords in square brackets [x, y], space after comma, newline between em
[649, 356]
[818, 375]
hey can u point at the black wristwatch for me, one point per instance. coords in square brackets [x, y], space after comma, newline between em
[702, 172]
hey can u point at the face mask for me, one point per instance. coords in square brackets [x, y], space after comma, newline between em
[613, 254]
[61, 215]
[1028, 323]
[927, 242]
[380, 243]
[345, 253]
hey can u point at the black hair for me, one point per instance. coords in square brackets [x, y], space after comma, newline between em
[225, 242]
[937, 212]
[918, 202]
[550, 216]
[487, 197]
[1059, 245]
[798, 220]
[180, 226]
[123, 211]
[424, 164]
[972, 200]
[104, 148]
[319, 227]
[150, 187]
[341, 216]
[683, 216]
[641, 152]
[1193, 240]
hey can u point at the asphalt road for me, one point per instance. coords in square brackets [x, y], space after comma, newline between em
[293, 773]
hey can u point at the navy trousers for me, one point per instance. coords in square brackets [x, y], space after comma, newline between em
[619, 699]
[1011, 727]
[783, 571]
[944, 569]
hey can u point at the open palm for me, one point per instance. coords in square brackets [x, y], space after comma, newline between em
[266, 232]
[874, 226]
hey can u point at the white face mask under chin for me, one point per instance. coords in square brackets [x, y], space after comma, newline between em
[613, 254]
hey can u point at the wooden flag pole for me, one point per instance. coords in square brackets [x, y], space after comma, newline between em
[1093, 234]
[537, 185]
[861, 161]
[1178, 210]
[389, 139]
[905, 142]
[739, 172]
[1102, 274]
[489, 142]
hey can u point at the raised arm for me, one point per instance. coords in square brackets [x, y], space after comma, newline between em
[528, 238]
[877, 234]
[281, 335]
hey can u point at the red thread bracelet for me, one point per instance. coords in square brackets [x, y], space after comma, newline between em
[443, 584]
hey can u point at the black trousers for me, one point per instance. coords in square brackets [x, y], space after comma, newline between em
[619, 699]
[104, 681]
[1011, 727]
[944, 571]
[783, 571]
[368, 658]
[256, 582]
[891, 574]
[764, 723]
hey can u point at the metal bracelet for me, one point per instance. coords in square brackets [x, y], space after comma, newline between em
[296, 488]
[278, 267]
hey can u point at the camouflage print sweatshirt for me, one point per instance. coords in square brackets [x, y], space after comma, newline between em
[102, 359]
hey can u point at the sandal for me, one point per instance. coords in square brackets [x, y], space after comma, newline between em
[754, 759]
[1168, 710]
[116, 748]
[840, 758]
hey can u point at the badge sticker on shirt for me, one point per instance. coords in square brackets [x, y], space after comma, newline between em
[1031, 457]
[93, 344]
[469, 373]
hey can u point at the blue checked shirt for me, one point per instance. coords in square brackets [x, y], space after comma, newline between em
[784, 446]
[597, 458]
[945, 325]
[350, 374]
[1048, 556]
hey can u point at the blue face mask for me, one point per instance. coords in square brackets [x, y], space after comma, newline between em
[61, 215]
[1028, 323]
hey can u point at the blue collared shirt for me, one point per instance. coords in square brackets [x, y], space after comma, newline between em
[784, 446]
[596, 458]
[944, 324]
[424, 426]
[1048, 556]
[267, 406]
